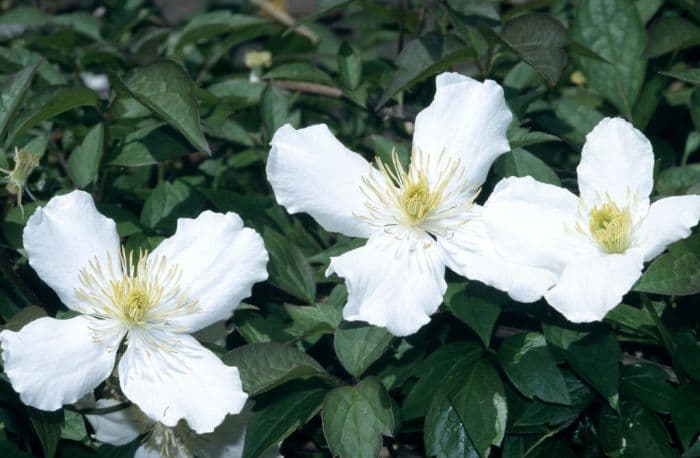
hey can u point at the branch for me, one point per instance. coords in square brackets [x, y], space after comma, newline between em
[284, 18]
[312, 88]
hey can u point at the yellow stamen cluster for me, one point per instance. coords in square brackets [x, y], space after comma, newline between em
[147, 289]
[610, 226]
[25, 163]
[412, 192]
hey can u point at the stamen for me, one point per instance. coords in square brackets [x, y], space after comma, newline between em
[408, 199]
[147, 291]
[610, 226]
[25, 163]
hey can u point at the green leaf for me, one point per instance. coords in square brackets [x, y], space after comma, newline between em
[299, 71]
[648, 385]
[635, 433]
[445, 435]
[209, 25]
[289, 269]
[421, 58]
[167, 90]
[596, 358]
[322, 318]
[355, 418]
[167, 201]
[48, 104]
[12, 91]
[540, 40]
[685, 412]
[48, 427]
[439, 371]
[84, 161]
[349, 66]
[480, 403]
[612, 29]
[279, 413]
[519, 137]
[74, 426]
[676, 273]
[671, 33]
[528, 363]
[358, 345]
[690, 75]
[478, 313]
[264, 366]
[677, 180]
[522, 163]
[274, 109]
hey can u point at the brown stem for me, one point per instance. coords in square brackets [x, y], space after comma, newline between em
[285, 19]
[312, 88]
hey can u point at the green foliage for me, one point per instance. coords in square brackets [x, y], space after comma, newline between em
[155, 112]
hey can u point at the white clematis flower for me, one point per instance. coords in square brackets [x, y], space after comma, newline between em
[191, 280]
[594, 246]
[126, 425]
[418, 220]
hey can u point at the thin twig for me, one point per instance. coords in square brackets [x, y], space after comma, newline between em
[285, 19]
[312, 88]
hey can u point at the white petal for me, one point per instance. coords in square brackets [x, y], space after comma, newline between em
[63, 237]
[471, 253]
[616, 160]
[532, 223]
[591, 286]
[53, 362]
[220, 262]
[311, 171]
[391, 284]
[172, 377]
[467, 120]
[668, 220]
[119, 427]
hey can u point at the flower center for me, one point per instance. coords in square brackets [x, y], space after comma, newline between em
[147, 290]
[610, 226]
[417, 201]
[431, 196]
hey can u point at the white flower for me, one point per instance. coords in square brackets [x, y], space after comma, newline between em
[417, 221]
[191, 280]
[124, 426]
[593, 246]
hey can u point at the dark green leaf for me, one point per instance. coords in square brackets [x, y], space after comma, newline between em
[480, 403]
[167, 90]
[675, 273]
[691, 75]
[596, 358]
[48, 104]
[648, 385]
[84, 161]
[445, 435]
[48, 427]
[478, 313]
[522, 163]
[289, 269]
[349, 66]
[528, 363]
[685, 412]
[355, 418]
[421, 58]
[612, 29]
[540, 40]
[358, 345]
[12, 91]
[279, 413]
[442, 369]
[670, 33]
[264, 366]
[274, 109]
